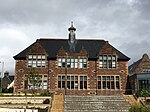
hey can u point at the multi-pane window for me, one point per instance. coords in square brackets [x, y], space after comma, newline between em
[45, 82]
[36, 60]
[99, 82]
[76, 63]
[146, 70]
[113, 61]
[73, 82]
[35, 82]
[101, 61]
[144, 84]
[68, 63]
[108, 82]
[83, 82]
[61, 62]
[107, 61]
[117, 82]
[82, 63]
[72, 62]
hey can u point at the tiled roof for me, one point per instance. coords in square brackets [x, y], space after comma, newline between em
[134, 65]
[53, 45]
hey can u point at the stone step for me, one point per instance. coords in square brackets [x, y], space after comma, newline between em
[95, 104]
[96, 110]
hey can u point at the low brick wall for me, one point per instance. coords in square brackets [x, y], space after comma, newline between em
[16, 110]
[23, 102]
[20, 100]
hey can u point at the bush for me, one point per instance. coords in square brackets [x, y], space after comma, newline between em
[47, 93]
[43, 110]
[143, 93]
[5, 90]
[140, 109]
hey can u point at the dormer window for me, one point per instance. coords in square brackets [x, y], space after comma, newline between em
[36, 60]
[107, 61]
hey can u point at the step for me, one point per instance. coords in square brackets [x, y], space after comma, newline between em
[95, 104]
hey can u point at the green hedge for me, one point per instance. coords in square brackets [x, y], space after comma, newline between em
[140, 109]
[143, 93]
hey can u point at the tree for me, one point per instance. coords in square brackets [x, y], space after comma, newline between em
[34, 81]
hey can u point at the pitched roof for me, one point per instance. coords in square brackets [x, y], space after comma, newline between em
[134, 65]
[53, 45]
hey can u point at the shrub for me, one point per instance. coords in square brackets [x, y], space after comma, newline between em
[143, 93]
[140, 109]
[47, 93]
[43, 110]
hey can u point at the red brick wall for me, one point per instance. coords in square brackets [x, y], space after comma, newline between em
[92, 71]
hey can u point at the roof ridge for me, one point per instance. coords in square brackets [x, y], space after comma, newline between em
[67, 39]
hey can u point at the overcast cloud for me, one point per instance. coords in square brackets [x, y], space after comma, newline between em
[124, 23]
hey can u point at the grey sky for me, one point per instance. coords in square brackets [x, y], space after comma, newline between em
[124, 23]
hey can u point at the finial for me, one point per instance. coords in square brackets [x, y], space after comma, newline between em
[72, 28]
[71, 23]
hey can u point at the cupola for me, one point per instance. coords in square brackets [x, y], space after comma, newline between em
[72, 37]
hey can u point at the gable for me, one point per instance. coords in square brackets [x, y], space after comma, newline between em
[141, 66]
[107, 49]
[36, 49]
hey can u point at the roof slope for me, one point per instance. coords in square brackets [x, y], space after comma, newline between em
[53, 45]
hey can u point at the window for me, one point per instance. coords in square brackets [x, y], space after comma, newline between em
[101, 61]
[73, 82]
[83, 82]
[99, 82]
[108, 82]
[72, 62]
[146, 70]
[61, 62]
[117, 82]
[63, 81]
[80, 63]
[68, 63]
[76, 62]
[45, 82]
[76, 82]
[83, 63]
[107, 61]
[113, 61]
[59, 82]
[35, 82]
[144, 84]
[36, 60]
